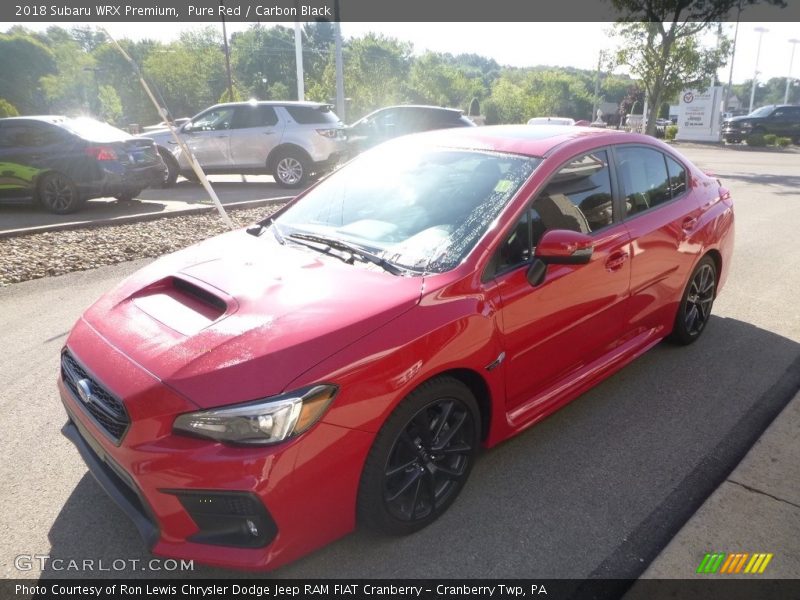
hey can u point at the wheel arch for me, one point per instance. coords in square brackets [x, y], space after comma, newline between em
[716, 256]
[279, 151]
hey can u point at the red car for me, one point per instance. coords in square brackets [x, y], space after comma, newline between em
[255, 396]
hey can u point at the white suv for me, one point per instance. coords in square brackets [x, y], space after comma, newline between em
[289, 140]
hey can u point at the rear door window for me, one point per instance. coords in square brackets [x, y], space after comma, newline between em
[254, 116]
[644, 178]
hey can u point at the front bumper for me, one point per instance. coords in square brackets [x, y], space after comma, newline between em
[307, 486]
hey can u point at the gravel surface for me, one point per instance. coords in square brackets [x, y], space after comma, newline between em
[58, 252]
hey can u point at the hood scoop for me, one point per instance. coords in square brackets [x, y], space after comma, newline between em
[184, 305]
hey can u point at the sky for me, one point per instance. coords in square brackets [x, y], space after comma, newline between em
[528, 44]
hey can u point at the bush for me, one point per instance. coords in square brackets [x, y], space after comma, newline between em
[783, 142]
[770, 138]
[7, 109]
[671, 132]
[756, 139]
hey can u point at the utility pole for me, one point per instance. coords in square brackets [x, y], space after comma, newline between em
[227, 55]
[340, 107]
[761, 31]
[733, 57]
[794, 43]
[596, 88]
[298, 58]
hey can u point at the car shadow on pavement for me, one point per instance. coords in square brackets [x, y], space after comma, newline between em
[598, 488]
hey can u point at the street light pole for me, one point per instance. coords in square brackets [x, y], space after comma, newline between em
[340, 101]
[761, 31]
[227, 55]
[794, 43]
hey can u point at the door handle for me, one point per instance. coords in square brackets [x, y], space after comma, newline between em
[615, 261]
[269, 133]
[689, 223]
[220, 136]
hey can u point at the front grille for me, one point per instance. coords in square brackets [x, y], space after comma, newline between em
[106, 410]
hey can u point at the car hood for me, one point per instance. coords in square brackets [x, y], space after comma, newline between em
[239, 317]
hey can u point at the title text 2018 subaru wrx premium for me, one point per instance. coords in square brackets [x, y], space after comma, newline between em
[253, 397]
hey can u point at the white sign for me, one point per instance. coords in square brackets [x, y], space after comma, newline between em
[699, 115]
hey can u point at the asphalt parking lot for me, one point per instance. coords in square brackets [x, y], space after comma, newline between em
[597, 489]
[182, 196]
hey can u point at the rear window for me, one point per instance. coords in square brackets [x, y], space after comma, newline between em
[95, 131]
[312, 115]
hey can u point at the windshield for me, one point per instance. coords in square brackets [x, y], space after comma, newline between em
[761, 112]
[95, 131]
[418, 207]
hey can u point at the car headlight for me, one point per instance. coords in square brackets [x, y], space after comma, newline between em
[266, 421]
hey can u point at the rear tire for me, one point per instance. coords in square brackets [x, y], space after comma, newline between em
[291, 169]
[696, 303]
[173, 170]
[421, 458]
[57, 194]
[128, 196]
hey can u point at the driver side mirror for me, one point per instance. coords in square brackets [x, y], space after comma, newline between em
[559, 247]
[187, 127]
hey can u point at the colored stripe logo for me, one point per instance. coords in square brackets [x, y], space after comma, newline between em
[736, 562]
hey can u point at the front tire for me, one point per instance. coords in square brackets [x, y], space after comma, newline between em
[57, 194]
[696, 302]
[291, 170]
[421, 458]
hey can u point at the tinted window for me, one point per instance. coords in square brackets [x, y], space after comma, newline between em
[29, 135]
[643, 174]
[254, 116]
[677, 177]
[311, 115]
[577, 198]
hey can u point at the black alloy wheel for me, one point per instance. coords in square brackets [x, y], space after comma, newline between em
[698, 298]
[57, 194]
[421, 458]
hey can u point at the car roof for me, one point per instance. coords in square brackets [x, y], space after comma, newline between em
[531, 140]
[275, 103]
[43, 118]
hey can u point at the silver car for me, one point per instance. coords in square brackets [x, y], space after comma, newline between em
[289, 140]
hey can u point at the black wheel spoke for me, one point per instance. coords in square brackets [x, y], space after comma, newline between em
[423, 423]
[447, 408]
[454, 428]
[415, 499]
[430, 486]
[458, 448]
[400, 468]
[413, 477]
[449, 473]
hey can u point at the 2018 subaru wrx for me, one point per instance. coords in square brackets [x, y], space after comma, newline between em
[255, 396]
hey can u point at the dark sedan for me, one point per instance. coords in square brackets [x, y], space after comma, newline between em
[62, 162]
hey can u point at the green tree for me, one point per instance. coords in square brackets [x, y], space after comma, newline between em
[262, 56]
[659, 43]
[7, 109]
[433, 79]
[110, 104]
[74, 87]
[25, 60]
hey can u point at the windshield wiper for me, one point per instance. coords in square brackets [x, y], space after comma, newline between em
[335, 244]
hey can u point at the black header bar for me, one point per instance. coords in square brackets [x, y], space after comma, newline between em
[110, 11]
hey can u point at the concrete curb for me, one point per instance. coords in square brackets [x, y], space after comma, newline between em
[124, 220]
